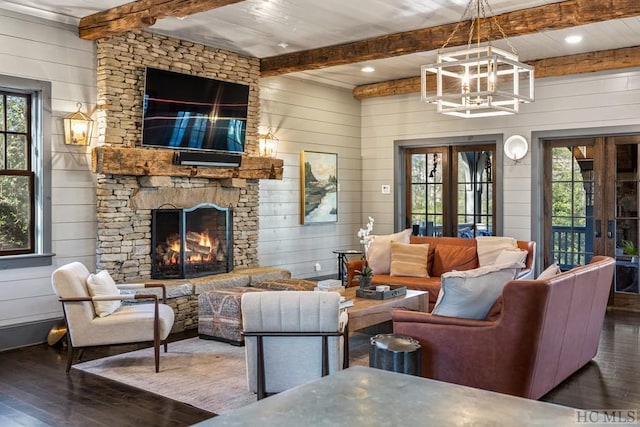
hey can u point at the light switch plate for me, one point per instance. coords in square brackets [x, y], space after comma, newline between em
[386, 189]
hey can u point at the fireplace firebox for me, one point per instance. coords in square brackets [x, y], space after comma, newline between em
[191, 242]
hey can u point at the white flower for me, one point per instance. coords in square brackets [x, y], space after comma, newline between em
[363, 234]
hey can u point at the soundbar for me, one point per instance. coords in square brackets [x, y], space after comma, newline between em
[188, 158]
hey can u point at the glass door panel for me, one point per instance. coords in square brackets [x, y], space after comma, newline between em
[475, 191]
[626, 218]
[571, 217]
[426, 192]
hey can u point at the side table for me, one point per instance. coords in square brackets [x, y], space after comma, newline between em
[343, 255]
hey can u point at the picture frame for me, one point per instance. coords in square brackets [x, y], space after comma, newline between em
[318, 187]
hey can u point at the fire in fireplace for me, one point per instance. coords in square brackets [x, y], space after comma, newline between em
[191, 242]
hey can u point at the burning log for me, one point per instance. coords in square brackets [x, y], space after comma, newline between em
[199, 249]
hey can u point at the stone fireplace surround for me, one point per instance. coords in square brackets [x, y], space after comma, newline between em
[125, 199]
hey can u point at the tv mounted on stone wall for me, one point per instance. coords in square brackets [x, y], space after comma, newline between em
[187, 112]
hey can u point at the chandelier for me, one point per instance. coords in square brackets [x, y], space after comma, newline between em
[481, 80]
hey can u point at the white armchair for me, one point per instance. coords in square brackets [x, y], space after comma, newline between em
[291, 337]
[126, 324]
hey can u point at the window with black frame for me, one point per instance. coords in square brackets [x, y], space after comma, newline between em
[17, 201]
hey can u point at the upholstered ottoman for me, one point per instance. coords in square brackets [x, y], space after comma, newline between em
[219, 310]
[219, 314]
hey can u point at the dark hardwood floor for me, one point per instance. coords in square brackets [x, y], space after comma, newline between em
[35, 391]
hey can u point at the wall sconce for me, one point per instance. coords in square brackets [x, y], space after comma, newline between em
[267, 142]
[77, 128]
[516, 147]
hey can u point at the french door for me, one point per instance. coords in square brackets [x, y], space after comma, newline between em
[592, 207]
[450, 190]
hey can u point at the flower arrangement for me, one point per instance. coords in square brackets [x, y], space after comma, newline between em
[364, 275]
[363, 234]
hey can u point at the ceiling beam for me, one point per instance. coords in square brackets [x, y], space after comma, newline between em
[590, 62]
[141, 14]
[552, 16]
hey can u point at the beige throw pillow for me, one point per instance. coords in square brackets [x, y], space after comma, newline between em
[409, 259]
[101, 284]
[549, 272]
[511, 256]
[379, 253]
[489, 247]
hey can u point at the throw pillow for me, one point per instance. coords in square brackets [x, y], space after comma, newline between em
[101, 284]
[379, 253]
[549, 272]
[511, 256]
[470, 294]
[451, 257]
[409, 259]
[489, 247]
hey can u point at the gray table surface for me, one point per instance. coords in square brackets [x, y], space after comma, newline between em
[361, 396]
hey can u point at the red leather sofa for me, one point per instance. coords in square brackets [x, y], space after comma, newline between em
[544, 332]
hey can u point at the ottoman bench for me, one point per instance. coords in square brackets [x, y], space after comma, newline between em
[219, 310]
[219, 314]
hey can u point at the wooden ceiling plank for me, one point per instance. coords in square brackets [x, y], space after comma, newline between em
[590, 62]
[141, 14]
[552, 16]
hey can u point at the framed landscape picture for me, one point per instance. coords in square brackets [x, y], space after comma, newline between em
[319, 187]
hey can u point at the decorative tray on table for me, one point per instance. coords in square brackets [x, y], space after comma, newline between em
[371, 293]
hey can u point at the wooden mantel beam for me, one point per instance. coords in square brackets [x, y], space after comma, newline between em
[141, 14]
[554, 16]
[548, 67]
[151, 162]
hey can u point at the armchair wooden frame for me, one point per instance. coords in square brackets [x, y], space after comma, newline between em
[131, 286]
[261, 393]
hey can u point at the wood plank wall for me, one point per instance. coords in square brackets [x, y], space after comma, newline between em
[312, 117]
[579, 103]
[43, 50]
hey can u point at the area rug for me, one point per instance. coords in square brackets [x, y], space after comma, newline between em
[207, 374]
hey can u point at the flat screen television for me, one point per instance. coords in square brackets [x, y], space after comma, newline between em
[188, 112]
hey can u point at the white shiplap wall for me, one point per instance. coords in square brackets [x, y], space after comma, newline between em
[43, 50]
[578, 103]
[311, 117]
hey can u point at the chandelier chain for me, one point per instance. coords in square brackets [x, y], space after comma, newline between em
[458, 25]
[481, 6]
[502, 33]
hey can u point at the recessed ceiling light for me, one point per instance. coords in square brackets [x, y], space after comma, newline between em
[573, 39]
[368, 69]
[283, 45]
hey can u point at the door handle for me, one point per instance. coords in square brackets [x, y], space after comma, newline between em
[610, 229]
[598, 232]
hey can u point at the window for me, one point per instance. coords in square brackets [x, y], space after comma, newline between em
[16, 176]
[25, 184]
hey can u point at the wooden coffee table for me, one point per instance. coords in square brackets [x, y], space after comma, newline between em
[368, 312]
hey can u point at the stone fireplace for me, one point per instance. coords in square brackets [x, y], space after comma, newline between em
[132, 182]
[191, 242]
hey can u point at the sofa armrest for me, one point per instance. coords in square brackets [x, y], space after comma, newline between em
[427, 318]
[352, 267]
